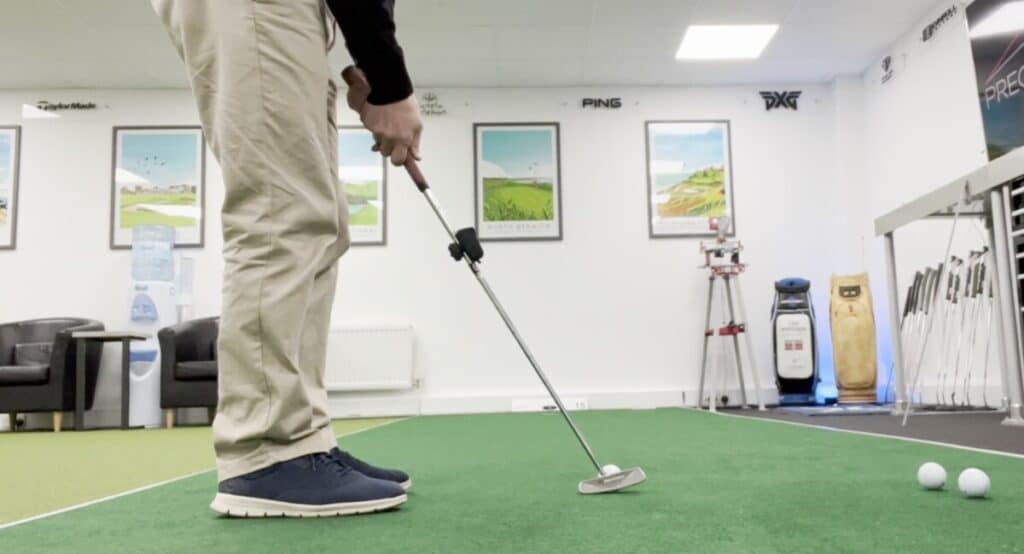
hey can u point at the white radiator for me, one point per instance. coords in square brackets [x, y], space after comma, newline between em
[369, 358]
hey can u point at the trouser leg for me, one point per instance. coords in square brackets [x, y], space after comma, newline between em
[260, 77]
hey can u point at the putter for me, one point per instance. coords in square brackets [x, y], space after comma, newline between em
[466, 247]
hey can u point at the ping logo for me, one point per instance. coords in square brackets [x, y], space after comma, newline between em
[786, 100]
[611, 103]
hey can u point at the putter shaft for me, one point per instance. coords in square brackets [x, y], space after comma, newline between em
[421, 184]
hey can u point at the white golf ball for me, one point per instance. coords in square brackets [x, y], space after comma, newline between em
[974, 483]
[610, 469]
[932, 476]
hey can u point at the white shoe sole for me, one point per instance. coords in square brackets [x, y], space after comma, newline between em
[407, 484]
[243, 506]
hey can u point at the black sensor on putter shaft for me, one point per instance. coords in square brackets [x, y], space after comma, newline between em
[466, 244]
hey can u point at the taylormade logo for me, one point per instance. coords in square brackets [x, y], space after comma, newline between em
[46, 106]
[933, 28]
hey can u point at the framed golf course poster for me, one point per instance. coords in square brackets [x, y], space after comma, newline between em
[364, 182]
[689, 177]
[158, 178]
[517, 174]
[10, 143]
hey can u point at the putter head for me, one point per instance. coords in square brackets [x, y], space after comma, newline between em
[613, 482]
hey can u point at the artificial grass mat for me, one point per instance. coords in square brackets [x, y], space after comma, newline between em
[506, 483]
[44, 471]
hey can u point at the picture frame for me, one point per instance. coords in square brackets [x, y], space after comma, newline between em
[363, 179]
[158, 177]
[689, 177]
[517, 176]
[10, 172]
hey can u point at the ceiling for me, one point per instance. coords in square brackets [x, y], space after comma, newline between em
[120, 44]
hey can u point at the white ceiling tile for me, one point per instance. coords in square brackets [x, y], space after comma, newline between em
[650, 42]
[493, 12]
[625, 14]
[905, 12]
[466, 43]
[452, 73]
[732, 12]
[812, 39]
[538, 43]
[536, 73]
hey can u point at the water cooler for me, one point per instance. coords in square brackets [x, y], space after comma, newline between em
[153, 306]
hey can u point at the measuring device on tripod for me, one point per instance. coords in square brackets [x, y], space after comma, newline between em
[722, 260]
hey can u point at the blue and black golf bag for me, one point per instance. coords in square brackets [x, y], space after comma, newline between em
[794, 343]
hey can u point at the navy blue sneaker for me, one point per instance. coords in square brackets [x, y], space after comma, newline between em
[393, 475]
[317, 485]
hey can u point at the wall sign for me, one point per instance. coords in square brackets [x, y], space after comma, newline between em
[62, 106]
[887, 69]
[997, 42]
[602, 103]
[786, 100]
[431, 105]
[934, 26]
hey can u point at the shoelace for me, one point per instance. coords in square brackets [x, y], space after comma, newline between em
[326, 460]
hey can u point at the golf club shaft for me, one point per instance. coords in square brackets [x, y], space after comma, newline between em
[421, 184]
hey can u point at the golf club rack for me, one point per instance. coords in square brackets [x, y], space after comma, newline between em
[722, 260]
[956, 337]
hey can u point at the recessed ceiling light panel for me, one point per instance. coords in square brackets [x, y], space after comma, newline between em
[725, 42]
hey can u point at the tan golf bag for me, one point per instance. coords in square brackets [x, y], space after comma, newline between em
[853, 338]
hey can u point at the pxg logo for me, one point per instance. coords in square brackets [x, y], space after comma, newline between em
[786, 100]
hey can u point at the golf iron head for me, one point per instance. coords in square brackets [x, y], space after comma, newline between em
[613, 482]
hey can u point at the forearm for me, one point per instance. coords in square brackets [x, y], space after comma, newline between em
[369, 30]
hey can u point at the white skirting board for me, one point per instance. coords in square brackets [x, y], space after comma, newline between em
[407, 403]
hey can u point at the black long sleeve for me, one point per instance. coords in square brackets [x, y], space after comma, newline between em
[369, 30]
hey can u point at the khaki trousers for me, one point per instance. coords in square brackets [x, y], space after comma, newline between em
[261, 81]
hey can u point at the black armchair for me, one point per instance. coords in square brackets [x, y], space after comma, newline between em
[188, 366]
[37, 366]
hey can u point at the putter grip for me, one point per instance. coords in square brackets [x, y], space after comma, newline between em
[349, 76]
[414, 173]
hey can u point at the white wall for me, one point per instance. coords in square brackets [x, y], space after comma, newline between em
[611, 314]
[922, 129]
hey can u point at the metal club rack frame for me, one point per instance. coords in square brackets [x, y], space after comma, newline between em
[995, 193]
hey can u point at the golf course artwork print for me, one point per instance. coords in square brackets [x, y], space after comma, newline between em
[158, 180]
[518, 184]
[8, 185]
[689, 177]
[363, 180]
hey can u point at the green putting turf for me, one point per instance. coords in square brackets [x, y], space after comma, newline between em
[42, 471]
[506, 483]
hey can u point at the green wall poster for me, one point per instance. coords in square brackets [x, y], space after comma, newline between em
[364, 182]
[997, 42]
[518, 181]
